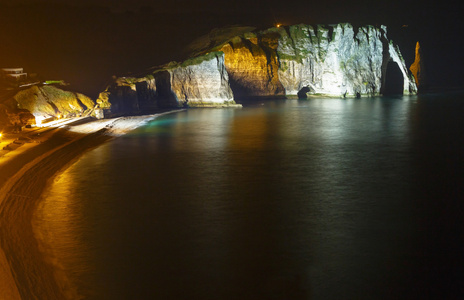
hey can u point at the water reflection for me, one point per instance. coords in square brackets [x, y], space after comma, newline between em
[60, 224]
[292, 199]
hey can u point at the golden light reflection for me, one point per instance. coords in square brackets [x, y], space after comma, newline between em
[248, 62]
[249, 132]
[55, 224]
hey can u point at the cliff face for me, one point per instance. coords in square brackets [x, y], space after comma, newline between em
[334, 60]
[50, 101]
[417, 69]
[11, 117]
[198, 82]
[39, 103]
[202, 81]
[252, 63]
[331, 60]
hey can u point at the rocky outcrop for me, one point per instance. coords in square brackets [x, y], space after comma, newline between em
[418, 69]
[12, 118]
[333, 60]
[198, 82]
[40, 103]
[252, 63]
[201, 81]
[50, 101]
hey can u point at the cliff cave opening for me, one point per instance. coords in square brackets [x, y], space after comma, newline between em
[303, 93]
[394, 80]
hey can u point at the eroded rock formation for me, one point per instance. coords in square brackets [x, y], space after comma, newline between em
[49, 101]
[252, 63]
[12, 118]
[198, 82]
[418, 70]
[39, 103]
[333, 60]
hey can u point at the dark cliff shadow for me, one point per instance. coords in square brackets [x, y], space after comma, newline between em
[147, 96]
[394, 80]
[166, 98]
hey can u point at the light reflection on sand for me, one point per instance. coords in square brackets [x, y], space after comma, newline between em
[54, 151]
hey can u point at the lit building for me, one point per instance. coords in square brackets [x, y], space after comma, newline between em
[15, 73]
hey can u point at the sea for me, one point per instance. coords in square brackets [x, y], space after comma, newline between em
[321, 198]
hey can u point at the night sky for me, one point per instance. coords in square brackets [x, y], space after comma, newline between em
[85, 42]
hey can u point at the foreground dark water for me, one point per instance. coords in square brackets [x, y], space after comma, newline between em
[316, 199]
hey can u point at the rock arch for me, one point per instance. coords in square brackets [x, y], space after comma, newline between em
[393, 80]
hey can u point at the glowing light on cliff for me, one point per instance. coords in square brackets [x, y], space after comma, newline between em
[38, 120]
[416, 67]
[278, 25]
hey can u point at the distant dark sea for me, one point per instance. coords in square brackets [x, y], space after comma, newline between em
[282, 199]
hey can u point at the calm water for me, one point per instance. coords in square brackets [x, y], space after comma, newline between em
[316, 199]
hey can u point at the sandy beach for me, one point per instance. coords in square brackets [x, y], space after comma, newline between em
[32, 159]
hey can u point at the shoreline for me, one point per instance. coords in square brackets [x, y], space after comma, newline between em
[26, 174]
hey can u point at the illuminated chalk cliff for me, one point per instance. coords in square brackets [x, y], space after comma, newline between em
[417, 68]
[39, 103]
[253, 64]
[197, 82]
[333, 60]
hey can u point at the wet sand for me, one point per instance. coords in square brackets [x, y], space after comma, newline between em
[24, 274]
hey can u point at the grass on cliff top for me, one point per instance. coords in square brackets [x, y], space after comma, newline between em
[131, 81]
[127, 81]
[216, 39]
[200, 59]
[188, 62]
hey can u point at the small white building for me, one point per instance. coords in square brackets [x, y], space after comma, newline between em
[15, 73]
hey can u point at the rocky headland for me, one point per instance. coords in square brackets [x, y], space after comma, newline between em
[228, 65]
[239, 63]
[42, 103]
[418, 69]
